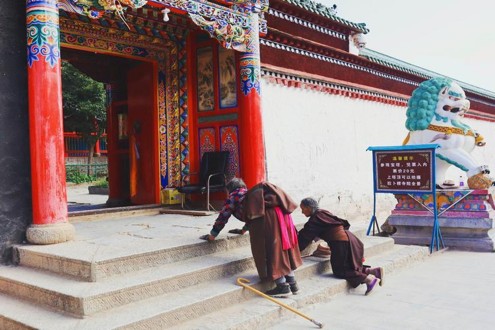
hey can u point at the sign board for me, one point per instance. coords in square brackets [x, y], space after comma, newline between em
[403, 171]
[406, 169]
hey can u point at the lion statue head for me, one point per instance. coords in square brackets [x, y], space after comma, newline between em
[435, 115]
[439, 97]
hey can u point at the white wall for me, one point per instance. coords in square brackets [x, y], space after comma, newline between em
[316, 146]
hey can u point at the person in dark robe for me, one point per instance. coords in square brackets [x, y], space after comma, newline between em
[266, 209]
[346, 257]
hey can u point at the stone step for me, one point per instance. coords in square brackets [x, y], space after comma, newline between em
[80, 298]
[114, 213]
[155, 312]
[95, 263]
[168, 283]
[91, 264]
[260, 313]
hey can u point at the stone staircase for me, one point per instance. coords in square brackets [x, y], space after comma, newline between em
[188, 286]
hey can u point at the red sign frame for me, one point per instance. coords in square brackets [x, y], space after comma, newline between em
[403, 171]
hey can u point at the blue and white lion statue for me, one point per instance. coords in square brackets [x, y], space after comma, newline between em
[434, 115]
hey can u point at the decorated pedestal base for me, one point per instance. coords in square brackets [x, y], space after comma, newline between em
[465, 218]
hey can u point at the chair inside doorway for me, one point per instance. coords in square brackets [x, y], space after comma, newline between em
[212, 176]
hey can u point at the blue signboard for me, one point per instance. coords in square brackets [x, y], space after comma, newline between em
[405, 169]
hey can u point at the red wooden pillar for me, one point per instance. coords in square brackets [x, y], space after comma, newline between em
[50, 216]
[251, 122]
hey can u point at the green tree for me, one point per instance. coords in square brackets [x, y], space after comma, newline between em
[84, 103]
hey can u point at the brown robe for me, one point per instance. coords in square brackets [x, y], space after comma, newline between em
[347, 250]
[259, 204]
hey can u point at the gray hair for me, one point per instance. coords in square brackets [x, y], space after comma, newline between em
[311, 203]
[234, 184]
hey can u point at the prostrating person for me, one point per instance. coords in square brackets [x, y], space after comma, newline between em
[266, 210]
[347, 250]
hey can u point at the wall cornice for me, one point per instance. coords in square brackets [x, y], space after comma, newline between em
[303, 80]
[281, 76]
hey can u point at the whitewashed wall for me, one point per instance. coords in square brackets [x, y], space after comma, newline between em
[316, 146]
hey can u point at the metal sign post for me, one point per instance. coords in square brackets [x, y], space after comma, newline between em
[406, 169]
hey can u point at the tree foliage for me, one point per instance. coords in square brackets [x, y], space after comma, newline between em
[84, 104]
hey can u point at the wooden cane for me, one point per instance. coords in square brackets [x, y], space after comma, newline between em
[241, 281]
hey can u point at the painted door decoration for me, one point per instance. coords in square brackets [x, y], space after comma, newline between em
[227, 78]
[207, 138]
[206, 98]
[217, 106]
[229, 141]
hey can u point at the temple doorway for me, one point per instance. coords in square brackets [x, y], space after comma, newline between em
[131, 143]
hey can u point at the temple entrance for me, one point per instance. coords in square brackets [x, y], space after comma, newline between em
[132, 125]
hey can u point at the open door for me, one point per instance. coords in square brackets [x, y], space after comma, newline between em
[143, 135]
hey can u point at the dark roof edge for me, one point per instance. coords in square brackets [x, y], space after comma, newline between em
[400, 65]
[322, 10]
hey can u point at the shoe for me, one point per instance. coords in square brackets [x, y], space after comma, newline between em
[321, 254]
[377, 272]
[370, 286]
[281, 290]
[294, 288]
[323, 248]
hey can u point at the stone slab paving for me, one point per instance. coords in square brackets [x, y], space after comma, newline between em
[450, 290]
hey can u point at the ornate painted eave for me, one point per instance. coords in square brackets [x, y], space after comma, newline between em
[97, 8]
[327, 12]
[235, 13]
[229, 22]
[402, 66]
[134, 29]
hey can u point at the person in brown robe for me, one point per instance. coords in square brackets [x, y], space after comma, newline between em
[266, 211]
[346, 257]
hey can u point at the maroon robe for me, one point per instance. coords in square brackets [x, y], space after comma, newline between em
[259, 204]
[346, 249]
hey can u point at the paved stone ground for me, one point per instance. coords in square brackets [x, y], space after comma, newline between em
[78, 198]
[451, 290]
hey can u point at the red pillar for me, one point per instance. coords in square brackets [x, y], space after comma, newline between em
[50, 215]
[251, 131]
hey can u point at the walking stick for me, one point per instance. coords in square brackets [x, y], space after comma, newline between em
[241, 281]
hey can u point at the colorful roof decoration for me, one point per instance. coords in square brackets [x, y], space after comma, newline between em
[252, 5]
[229, 35]
[229, 23]
[97, 8]
[231, 26]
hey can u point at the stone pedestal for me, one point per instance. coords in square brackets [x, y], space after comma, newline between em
[465, 218]
[51, 233]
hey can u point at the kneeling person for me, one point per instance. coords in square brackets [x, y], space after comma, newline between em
[347, 253]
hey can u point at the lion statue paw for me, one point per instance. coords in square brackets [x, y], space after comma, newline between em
[479, 181]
